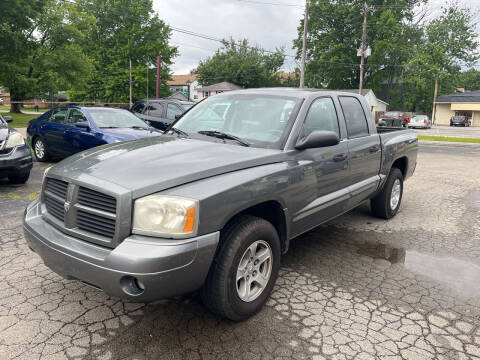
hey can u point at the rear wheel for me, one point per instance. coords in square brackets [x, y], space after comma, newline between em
[386, 204]
[245, 269]
[40, 150]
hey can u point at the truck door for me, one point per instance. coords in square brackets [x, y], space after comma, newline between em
[330, 165]
[363, 148]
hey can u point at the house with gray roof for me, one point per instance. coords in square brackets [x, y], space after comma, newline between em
[461, 103]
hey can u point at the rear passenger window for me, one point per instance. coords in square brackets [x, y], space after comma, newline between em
[57, 116]
[321, 116]
[155, 109]
[354, 116]
[138, 108]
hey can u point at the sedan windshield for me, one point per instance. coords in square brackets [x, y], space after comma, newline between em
[257, 120]
[116, 118]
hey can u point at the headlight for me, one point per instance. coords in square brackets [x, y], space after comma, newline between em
[15, 139]
[167, 216]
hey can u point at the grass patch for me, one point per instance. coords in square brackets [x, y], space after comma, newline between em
[25, 108]
[449, 139]
[20, 120]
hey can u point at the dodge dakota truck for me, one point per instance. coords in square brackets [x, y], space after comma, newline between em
[214, 202]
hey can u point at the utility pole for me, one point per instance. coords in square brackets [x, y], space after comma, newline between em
[159, 67]
[131, 103]
[364, 47]
[304, 47]
[435, 94]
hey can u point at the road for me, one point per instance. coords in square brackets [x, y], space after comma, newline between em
[470, 132]
[355, 288]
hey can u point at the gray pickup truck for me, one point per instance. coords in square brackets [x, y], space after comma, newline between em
[214, 202]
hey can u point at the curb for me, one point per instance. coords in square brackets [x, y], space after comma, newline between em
[449, 143]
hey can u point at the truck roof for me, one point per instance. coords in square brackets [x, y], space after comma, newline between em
[293, 92]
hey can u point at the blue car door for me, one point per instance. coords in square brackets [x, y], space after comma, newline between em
[80, 139]
[52, 130]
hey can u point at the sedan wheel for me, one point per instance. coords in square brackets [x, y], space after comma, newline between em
[40, 150]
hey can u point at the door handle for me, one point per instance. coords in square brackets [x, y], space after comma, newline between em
[340, 157]
[373, 149]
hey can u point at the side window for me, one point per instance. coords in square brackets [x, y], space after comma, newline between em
[321, 116]
[138, 108]
[57, 116]
[172, 111]
[354, 116]
[154, 109]
[75, 116]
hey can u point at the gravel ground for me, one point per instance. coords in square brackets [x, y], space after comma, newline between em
[355, 288]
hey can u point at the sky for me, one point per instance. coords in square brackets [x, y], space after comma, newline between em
[269, 26]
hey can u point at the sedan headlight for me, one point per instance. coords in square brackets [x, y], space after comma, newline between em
[15, 139]
[165, 216]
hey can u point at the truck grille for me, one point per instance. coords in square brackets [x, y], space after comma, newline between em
[96, 200]
[82, 211]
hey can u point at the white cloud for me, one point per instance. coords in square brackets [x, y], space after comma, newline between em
[267, 26]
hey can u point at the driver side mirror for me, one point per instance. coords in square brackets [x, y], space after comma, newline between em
[8, 119]
[318, 139]
[83, 125]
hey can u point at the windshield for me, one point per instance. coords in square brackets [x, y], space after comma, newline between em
[392, 113]
[260, 120]
[113, 118]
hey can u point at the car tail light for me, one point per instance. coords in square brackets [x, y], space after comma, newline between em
[29, 124]
[425, 121]
[408, 119]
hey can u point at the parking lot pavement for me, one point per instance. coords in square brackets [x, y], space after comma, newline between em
[470, 132]
[356, 288]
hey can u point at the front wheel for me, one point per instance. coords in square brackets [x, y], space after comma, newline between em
[245, 269]
[386, 204]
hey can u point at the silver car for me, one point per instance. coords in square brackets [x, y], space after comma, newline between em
[420, 121]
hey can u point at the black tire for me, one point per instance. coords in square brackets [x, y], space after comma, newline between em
[219, 293]
[381, 204]
[38, 155]
[19, 178]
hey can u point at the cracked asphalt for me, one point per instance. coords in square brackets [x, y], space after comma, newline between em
[355, 288]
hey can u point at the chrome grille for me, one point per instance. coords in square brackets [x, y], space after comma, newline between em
[96, 200]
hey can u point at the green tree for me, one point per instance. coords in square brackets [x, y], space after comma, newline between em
[241, 64]
[334, 33]
[38, 48]
[123, 30]
[449, 42]
[469, 80]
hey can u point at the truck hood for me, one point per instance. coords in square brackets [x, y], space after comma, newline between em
[154, 164]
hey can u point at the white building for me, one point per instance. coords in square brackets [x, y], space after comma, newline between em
[187, 84]
[211, 90]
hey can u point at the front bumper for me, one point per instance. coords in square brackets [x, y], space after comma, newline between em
[19, 161]
[164, 267]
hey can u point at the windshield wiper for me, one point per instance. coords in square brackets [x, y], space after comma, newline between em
[138, 127]
[180, 132]
[109, 127]
[222, 135]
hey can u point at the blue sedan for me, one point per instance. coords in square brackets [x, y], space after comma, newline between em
[67, 130]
